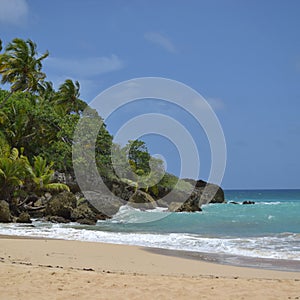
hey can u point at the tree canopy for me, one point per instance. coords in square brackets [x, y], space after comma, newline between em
[37, 125]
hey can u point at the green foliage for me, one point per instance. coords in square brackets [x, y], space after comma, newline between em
[171, 182]
[67, 98]
[20, 66]
[12, 172]
[41, 175]
[41, 121]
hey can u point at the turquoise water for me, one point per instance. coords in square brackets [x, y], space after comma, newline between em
[268, 229]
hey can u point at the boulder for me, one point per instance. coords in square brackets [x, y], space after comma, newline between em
[24, 217]
[122, 189]
[142, 200]
[83, 214]
[5, 216]
[207, 192]
[86, 222]
[191, 200]
[61, 205]
[191, 204]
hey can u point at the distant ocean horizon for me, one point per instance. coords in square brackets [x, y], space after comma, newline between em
[268, 229]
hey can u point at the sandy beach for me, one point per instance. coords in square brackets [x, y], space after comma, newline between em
[61, 269]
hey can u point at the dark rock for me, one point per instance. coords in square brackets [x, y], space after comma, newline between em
[37, 214]
[192, 204]
[5, 216]
[56, 219]
[61, 205]
[24, 217]
[86, 222]
[233, 202]
[121, 189]
[207, 192]
[191, 201]
[248, 202]
[142, 200]
[84, 212]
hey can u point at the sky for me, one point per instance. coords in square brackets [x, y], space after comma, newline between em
[243, 57]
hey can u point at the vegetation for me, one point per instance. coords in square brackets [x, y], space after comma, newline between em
[37, 124]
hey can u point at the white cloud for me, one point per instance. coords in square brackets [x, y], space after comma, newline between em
[13, 12]
[162, 41]
[86, 67]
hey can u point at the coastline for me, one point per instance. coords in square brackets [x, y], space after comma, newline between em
[129, 271]
[280, 265]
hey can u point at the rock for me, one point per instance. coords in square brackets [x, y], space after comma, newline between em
[189, 200]
[192, 204]
[121, 189]
[248, 202]
[61, 205]
[142, 200]
[207, 192]
[233, 202]
[5, 216]
[86, 222]
[56, 219]
[83, 214]
[24, 217]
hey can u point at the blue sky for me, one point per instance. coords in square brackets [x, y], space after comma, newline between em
[242, 56]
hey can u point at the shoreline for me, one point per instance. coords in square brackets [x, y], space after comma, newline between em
[39, 267]
[189, 263]
[280, 265]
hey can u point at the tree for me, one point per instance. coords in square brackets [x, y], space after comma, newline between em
[12, 173]
[20, 67]
[41, 176]
[68, 97]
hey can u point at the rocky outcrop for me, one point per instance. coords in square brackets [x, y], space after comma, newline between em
[24, 217]
[191, 200]
[83, 214]
[61, 205]
[142, 200]
[248, 202]
[192, 204]
[207, 192]
[5, 216]
[65, 207]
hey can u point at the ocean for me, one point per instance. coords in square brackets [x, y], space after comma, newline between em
[269, 229]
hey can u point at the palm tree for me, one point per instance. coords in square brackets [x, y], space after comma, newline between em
[41, 176]
[46, 92]
[68, 97]
[12, 173]
[20, 67]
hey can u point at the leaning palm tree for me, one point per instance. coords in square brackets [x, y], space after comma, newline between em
[41, 176]
[68, 97]
[46, 92]
[20, 67]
